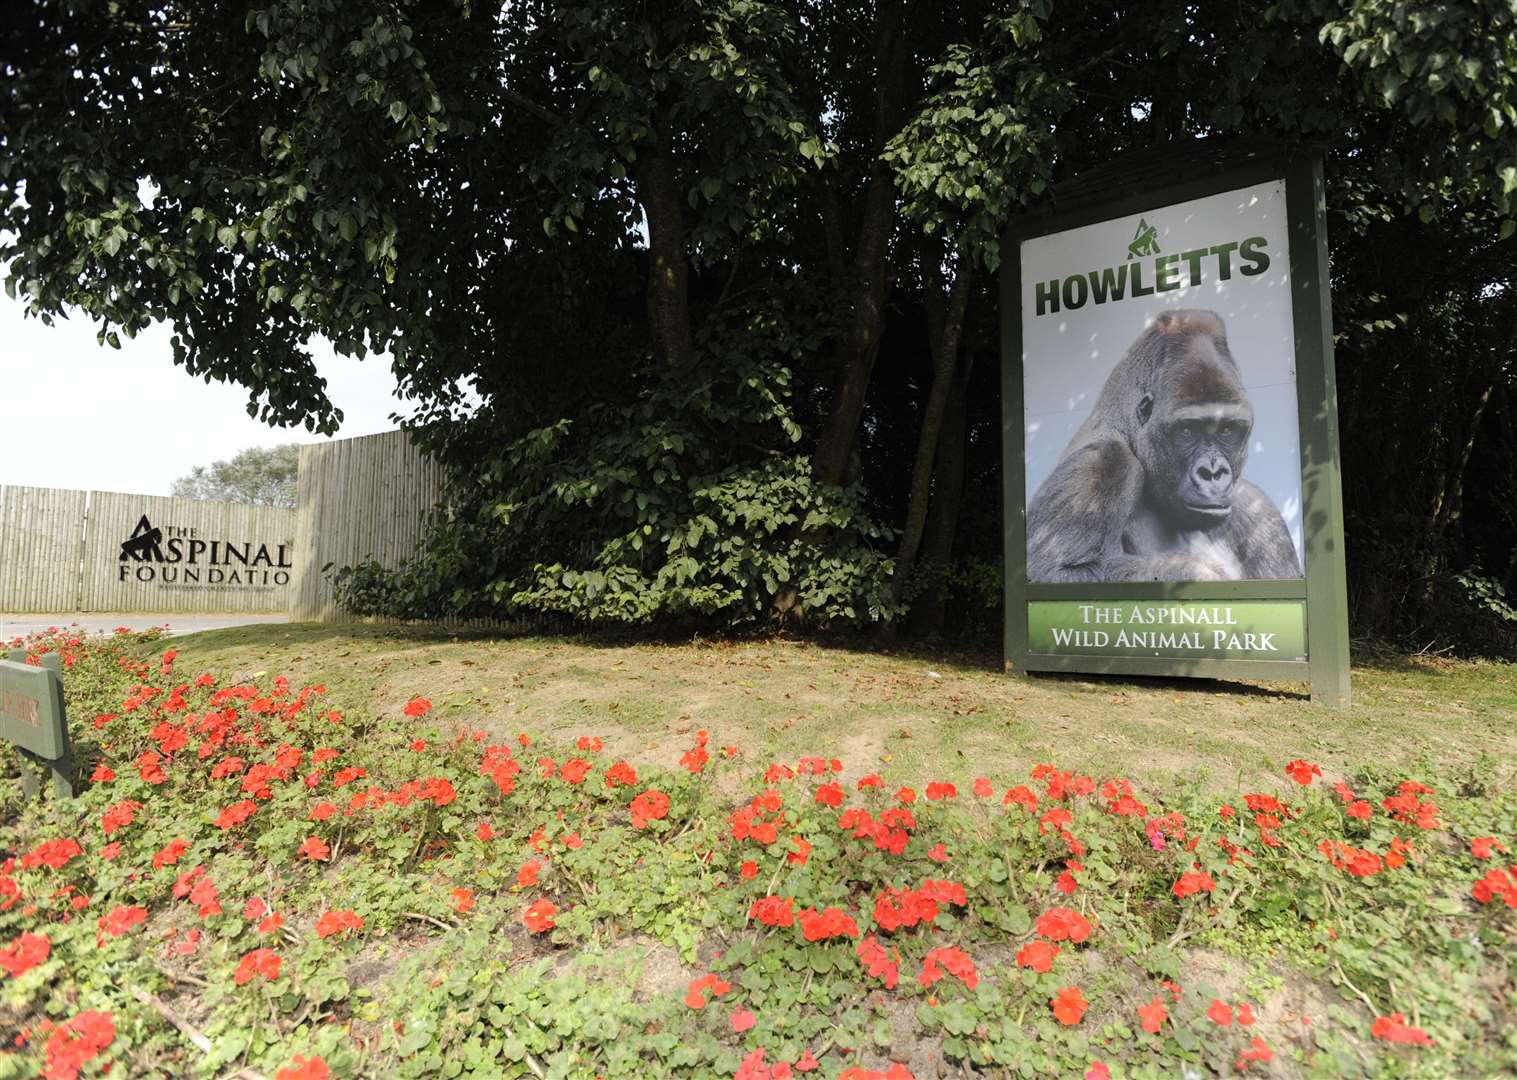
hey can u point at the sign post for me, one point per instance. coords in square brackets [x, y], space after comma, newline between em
[32, 716]
[1173, 500]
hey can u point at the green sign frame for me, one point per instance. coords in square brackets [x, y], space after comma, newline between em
[1127, 187]
[34, 719]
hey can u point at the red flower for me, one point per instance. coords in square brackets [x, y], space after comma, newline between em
[1482, 847]
[695, 996]
[539, 916]
[1193, 882]
[621, 773]
[1069, 1006]
[1153, 1015]
[76, 1042]
[322, 811]
[1258, 1050]
[749, 870]
[485, 831]
[526, 877]
[983, 788]
[741, 1020]
[802, 851]
[938, 790]
[1060, 923]
[1302, 772]
[23, 954]
[650, 806]
[1098, 1071]
[822, 925]
[1220, 1013]
[878, 963]
[303, 1068]
[1023, 796]
[872, 780]
[103, 774]
[121, 920]
[1394, 1029]
[52, 853]
[773, 911]
[316, 848]
[236, 814]
[263, 962]
[951, 960]
[255, 908]
[1245, 1014]
[463, 900]
[170, 854]
[906, 796]
[574, 771]
[1360, 809]
[337, 922]
[1038, 955]
[418, 707]
[830, 794]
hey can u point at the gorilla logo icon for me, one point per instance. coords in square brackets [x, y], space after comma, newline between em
[1151, 487]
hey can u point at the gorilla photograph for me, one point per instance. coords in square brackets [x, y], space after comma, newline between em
[1151, 487]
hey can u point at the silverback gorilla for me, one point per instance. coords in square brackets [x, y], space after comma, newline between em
[1151, 487]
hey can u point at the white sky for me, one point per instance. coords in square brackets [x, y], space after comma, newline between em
[74, 414]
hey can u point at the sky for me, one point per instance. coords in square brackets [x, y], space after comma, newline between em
[75, 414]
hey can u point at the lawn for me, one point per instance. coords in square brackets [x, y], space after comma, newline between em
[323, 851]
[903, 715]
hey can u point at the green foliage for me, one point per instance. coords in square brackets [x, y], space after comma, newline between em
[258, 476]
[693, 505]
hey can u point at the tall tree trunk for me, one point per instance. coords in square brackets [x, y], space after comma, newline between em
[929, 612]
[859, 347]
[945, 327]
[668, 265]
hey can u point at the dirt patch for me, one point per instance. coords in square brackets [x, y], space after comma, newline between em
[1286, 1015]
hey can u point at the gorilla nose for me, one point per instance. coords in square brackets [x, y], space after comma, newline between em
[1213, 478]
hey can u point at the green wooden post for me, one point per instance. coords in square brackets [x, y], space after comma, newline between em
[1317, 402]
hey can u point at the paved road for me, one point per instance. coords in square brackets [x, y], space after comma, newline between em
[96, 622]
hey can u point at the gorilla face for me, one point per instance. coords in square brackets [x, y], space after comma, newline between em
[1193, 430]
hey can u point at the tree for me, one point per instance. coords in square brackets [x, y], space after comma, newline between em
[258, 476]
[708, 256]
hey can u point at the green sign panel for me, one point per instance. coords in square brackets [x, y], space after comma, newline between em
[33, 718]
[1169, 629]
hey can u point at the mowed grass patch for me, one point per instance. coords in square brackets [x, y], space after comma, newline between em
[902, 714]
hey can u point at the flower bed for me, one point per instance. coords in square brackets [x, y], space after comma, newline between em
[259, 878]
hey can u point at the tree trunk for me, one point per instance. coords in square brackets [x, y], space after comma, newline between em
[857, 350]
[668, 266]
[945, 330]
[930, 610]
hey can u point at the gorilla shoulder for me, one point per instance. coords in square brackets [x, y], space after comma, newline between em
[1259, 535]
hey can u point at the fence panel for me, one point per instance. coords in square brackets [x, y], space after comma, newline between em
[155, 553]
[358, 499]
[40, 534]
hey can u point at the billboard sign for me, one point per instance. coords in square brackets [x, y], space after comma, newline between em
[1171, 440]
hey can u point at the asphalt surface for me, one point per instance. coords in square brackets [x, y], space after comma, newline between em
[97, 622]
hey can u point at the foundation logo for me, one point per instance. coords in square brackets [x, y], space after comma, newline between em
[144, 543]
[1144, 242]
[188, 560]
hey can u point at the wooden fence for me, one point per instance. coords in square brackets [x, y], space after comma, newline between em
[66, 551]
[358, 499]
[41, 544]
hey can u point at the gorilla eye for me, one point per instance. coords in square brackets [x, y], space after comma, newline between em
[1145, 409]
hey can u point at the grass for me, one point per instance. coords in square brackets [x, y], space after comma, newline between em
[902, 714]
